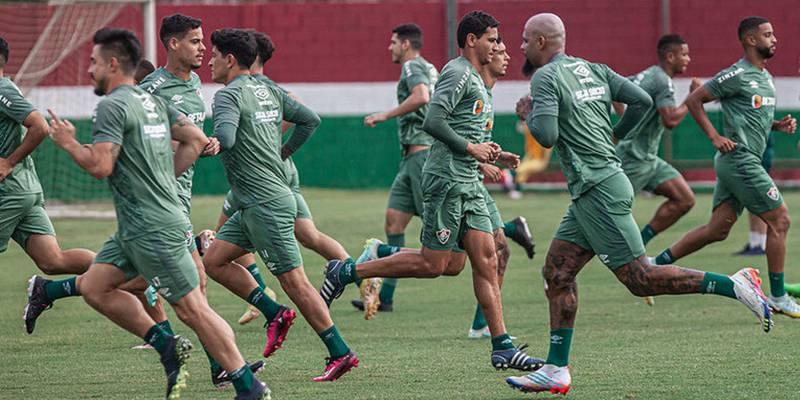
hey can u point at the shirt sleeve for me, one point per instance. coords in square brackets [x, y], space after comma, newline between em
[448, 92]
[14, 105]
[173, 114]
[306, 122]
[726, 83]
[109, 125]
[635, 97]
[416, 74]
[544, 91]
[226, 109]
[663, 93]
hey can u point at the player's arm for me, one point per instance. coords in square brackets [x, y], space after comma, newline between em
[20, 110]
[191, 141]
[305, 123]
[637, 100]
[226, 119]
[97, 159]
[787, 124]
[671, 115]
[711, 91]
[542, 108]
[420, 96]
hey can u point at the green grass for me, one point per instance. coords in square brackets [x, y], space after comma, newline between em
[688, 347]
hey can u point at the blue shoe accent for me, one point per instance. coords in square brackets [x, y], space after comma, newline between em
[151, 296]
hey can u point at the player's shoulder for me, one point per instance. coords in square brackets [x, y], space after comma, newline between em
[155, 81]
[8, 87]
[732, 73]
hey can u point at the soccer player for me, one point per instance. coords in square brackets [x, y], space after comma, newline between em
[638, 151]
[455, 216]
[247, 121]
[569, 109]
[747, 95]
[142, 70]
[132, 147]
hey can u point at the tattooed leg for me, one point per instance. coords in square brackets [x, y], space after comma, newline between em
[644, 279]
[564, 261]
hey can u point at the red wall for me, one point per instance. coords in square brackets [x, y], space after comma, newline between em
[345, 42]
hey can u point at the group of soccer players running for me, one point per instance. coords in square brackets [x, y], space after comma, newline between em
[146, 139]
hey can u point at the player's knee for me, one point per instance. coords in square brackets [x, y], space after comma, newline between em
[190, 314]
[306, 239]
[454, 267]
[685, 204]
[781, 224]
[435, 268]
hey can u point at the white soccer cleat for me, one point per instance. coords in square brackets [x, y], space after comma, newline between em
[549, 378]
[479, 333]
[784, 305]
[370, 251]
[747, 286]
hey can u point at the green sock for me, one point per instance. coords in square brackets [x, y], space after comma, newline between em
[509, 228]
[385, 250]
[648, 234]
[396, 242]
[166, 327]
[263, 303]
[387, 290]
[58, 289]
[334, 342]
[717, 284]
[253, 270]
[560, 341]
[479, 322]
[215, 367]
[776, 284]
[242, 379]
[502, 342]
[348, 273]
[665, 257]
[157, 338]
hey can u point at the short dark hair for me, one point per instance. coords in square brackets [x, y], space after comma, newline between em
[144, 68]
[177, 26]
[237, 42]
[747, 25]
[3, 52]
[411, 32]
[264, 45]
[667, 44]
[121, 44]
[476, 23]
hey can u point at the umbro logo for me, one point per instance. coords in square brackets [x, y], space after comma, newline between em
[603, 258]
[555, 339]
[581, 70]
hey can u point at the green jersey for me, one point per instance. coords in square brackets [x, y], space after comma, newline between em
[417, 71]
[747, 95]
[641, 143]
[143, 181]
[460, 91]
[186, 97]
[14, 109]
[254, 167]
[579, 93]
[291, 169]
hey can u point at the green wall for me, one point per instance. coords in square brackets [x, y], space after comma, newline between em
[345, 154]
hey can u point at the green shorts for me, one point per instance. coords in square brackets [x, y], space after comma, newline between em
[406, 192]
[494, 212]
[450, 209]
[743, 181]
[267, 229]
[161, 258]
[647, 175]
[230, 206]
[21, 216]
[600, 220]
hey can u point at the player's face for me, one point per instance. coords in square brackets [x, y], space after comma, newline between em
[681, 59]
[190, 49]
[98, 71]
[486, 45]
[766, 42]
[219, 66]
[532, 48]
[396, 48]
[499, 64]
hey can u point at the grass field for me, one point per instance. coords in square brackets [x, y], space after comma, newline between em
[688, 347]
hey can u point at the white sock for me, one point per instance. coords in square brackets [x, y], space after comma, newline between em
[757, 240]
[763, 239]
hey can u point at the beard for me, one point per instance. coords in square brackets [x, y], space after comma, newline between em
[528, 69]
[99, 87]
[765, 52]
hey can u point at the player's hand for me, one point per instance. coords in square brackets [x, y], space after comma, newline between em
[61, 131]
[492, 172]
[374, 119]
[696, 83]
[723, 144]
[5, 168]
[484, 152]
[787, 124]
[508, 159]
[524, 107]
[212, 148]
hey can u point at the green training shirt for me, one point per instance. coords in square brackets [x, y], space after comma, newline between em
[747, 95]
[417, 71]
[460, 91]
[641, 143]
[143, 181]
[14, 109]
[291, 169]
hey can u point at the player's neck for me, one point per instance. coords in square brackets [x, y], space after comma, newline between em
[755, 60]
[180, 71]
[118, 81]
[2, 75]
[473, 59]
[235, 73]
[667, 70]
[409, 56]
[257, 70]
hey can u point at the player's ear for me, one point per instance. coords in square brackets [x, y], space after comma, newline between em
[230, 61]
[172, 43]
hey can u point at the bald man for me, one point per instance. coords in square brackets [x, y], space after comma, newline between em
[569, 109]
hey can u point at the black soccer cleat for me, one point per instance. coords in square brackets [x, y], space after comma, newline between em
[37, 302]
[221, 379]
[259, 391]
[523, 237]
[333, 287]
[174, 361]
[515, 358]
[383, 307]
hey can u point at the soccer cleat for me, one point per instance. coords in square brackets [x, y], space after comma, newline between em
[333, 287]
[370, 251]
[335, 368]
[549, 378]
[747, 286]
[143, 346]
[649, 300]
[277, 329]
[251, 314]
[370, 290]
[515, 358]
[259, 391]
[37, 302]
[220, 379]
[151, 296]
[382, 307]
[751, 251]
[203, 240]
[174, 361]
[522, 236]
[479, 333]
[784, 305]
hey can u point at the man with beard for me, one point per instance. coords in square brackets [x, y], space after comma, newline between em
[747, 95]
